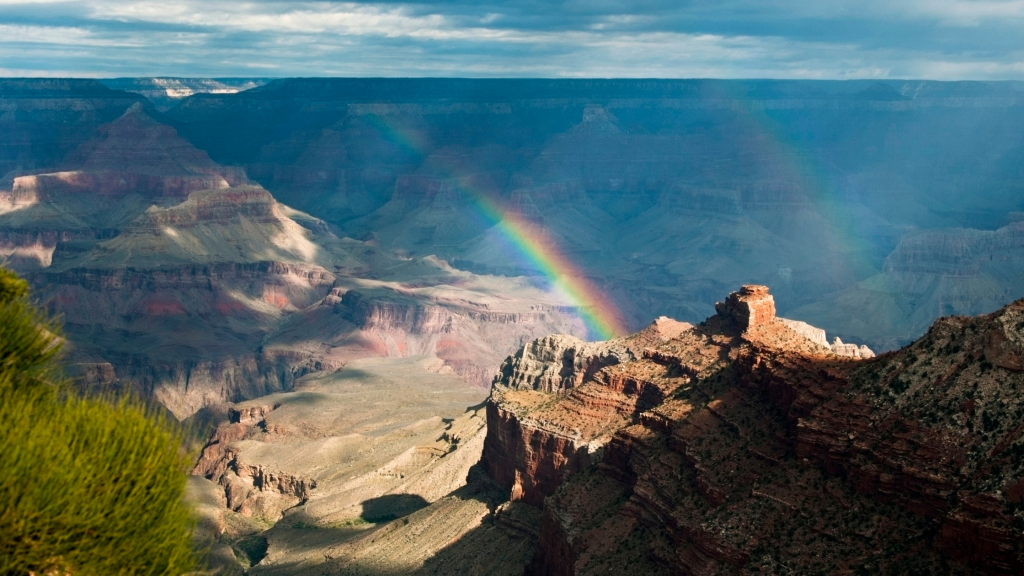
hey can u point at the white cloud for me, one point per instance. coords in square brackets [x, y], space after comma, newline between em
[304, 18]
[63, 35]
[224, 37]
[968, 12]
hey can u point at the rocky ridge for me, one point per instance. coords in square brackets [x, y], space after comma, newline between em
[741, 446]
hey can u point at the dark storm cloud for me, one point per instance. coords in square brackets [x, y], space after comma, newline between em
[942, 39]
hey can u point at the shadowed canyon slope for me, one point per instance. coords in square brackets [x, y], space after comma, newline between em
[667, 193]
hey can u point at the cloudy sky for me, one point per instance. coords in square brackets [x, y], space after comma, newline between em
[937, 39]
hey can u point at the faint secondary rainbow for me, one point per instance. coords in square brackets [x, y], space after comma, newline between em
[843, 236]
[536, 248]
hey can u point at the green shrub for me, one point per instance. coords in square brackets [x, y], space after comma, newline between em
[28, 340]
[88, 486]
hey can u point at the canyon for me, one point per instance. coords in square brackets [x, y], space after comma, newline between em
[317, 275]
[186, 282]
[666, 193]
[739, 445]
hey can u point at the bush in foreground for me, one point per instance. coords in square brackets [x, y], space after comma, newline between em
[87, 486]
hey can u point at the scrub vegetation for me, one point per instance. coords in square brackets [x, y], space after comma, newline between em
[88, 486]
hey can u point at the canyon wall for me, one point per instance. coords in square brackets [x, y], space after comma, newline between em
[742, 446]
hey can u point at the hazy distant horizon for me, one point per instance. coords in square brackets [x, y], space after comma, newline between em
[581, 78]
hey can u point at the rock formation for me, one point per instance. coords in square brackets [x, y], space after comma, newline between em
[133, 154]
[752, 306]
[851, 350]
[45, 119]
[743, 446]
[558, 363]
[816, 335]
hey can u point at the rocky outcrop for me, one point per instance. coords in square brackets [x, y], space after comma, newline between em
[850, 350]
[528, 459]
[1004, 346]
[757, 449]
[250, 415]
[816, 335]
[253, 490]
[249, 488]
[559, 363]
[543, 427]
[751, 306]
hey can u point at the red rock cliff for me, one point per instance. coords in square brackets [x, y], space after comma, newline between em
[741, 447]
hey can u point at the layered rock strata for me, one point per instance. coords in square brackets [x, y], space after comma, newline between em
[42, 120]
[750, 307]
[742, 447]
[534, 440]
[198, 289]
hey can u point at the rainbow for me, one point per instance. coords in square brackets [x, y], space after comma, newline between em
[844, 234]
[539, 250]
[536, 248]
